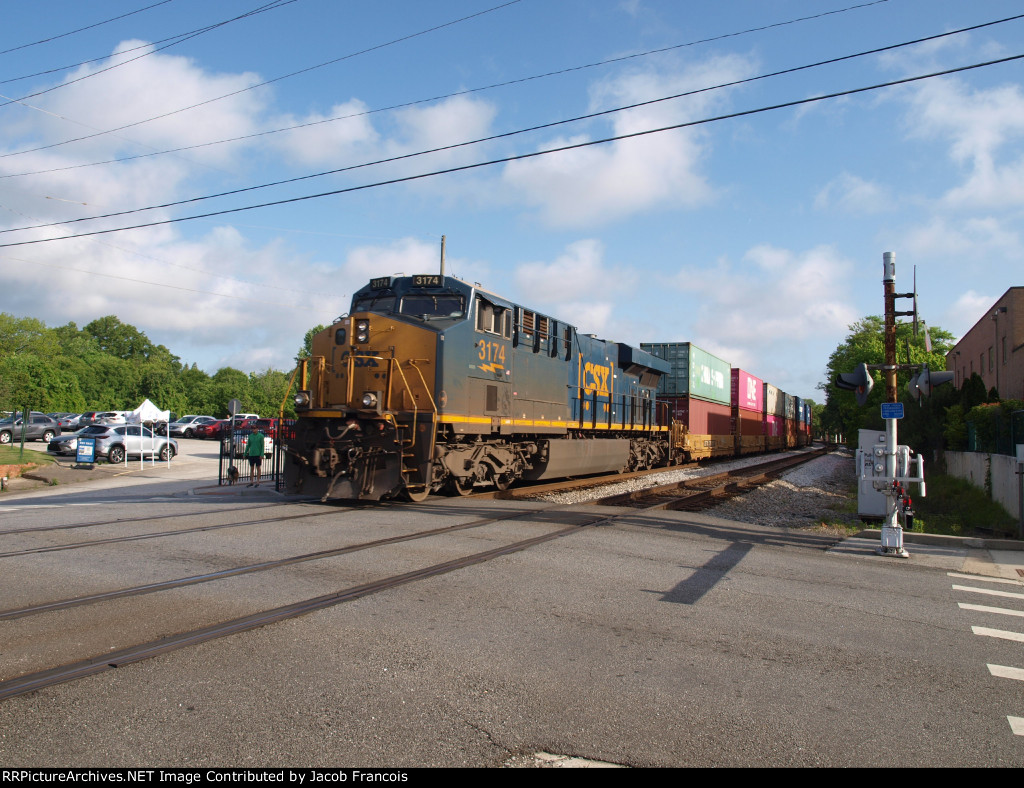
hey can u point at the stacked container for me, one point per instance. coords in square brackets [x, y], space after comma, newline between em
[774, 418]
[747, 421]
[697, 392]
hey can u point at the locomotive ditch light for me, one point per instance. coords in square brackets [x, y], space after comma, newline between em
[371, 400]
[362, 331]
[302, 400]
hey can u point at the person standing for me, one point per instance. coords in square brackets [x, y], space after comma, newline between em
[254, 448]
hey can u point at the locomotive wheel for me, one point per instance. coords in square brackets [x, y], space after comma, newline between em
[503, 481]
[460, 486]
[416, 495]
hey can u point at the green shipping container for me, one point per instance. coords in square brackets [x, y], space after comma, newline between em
[695, 372]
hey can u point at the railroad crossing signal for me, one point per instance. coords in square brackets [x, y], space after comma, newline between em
[923, 382]
[859, 381]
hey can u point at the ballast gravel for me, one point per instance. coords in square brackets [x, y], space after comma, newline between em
[810, 496]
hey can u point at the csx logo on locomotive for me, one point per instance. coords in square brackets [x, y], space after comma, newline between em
[595, 377]
[359, 361]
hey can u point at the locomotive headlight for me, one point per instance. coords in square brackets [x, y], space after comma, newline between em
[302, 399]
[362, 331]
[370, 400]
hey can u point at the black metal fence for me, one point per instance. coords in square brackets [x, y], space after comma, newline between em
[234, 466]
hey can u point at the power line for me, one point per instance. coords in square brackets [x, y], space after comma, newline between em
[250, 87]
[535, 154]
[465, 92]
[82, 29]
[503, 135]
[183, 36]
[269, 6]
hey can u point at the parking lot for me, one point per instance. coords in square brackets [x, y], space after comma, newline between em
[196, 460]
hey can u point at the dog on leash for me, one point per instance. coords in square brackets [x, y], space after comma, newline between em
[232, 474]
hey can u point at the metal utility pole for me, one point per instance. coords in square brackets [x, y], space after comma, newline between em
[892, 411]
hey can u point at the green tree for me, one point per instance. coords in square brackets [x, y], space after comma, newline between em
[28, 381]
[866, 344]
[307, 343]
[227, 384]
[26, 335]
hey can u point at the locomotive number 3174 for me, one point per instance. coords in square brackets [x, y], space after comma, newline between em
[492, 352]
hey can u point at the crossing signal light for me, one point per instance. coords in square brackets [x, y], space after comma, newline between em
[859, 381]
[923, 382]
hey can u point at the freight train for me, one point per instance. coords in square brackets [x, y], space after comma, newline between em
[433, 384]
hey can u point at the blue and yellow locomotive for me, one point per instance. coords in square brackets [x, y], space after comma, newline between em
[431, 383]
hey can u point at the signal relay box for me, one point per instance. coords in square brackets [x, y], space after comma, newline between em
[872, 481]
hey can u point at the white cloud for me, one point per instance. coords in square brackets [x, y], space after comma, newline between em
[851, 194]
[328, 142]
[778, 316]
[611, 181]
[962, 314]
[978, 125]
[970, 239]
[577, 286]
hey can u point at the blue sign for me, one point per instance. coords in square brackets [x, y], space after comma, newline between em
[892, 410]
[86, 452]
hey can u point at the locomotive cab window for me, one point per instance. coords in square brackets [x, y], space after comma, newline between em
[377, 302]
[493, 319]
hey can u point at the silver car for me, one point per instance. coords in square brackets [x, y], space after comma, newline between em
[117, 443]
[185, 427]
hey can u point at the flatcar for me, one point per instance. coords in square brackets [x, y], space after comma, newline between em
[433, 384]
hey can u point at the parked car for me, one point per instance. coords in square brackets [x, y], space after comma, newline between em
[38, 427]
[118, 442]
[211, 430]
[110, 417]
[69, 421]
[242, 441]
[185, 427]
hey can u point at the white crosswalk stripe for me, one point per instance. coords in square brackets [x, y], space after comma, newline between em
[998, 633]
[990, 592]
[979, 579]
[1004, 672]
[999, 671]
[988, 609]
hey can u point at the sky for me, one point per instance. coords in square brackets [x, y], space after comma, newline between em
[739, 208]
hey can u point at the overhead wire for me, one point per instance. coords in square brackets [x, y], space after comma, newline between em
[534, 154]
[83, 29]
[183, 36]
[251, 87]
[467, 91]
[516, 132]
[21, 99]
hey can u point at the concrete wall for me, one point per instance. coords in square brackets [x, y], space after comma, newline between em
[973, 466]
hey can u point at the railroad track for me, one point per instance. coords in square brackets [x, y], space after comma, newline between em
[34, 681]
[707, 491]
[561, 520]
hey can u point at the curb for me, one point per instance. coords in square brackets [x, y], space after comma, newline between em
[941, 540]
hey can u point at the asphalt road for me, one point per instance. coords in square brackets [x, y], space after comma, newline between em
[668, 639]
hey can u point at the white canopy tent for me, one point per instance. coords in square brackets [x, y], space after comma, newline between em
[148, 413]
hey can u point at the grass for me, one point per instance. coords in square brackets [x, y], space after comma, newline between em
[953, 507]
[958, 508]
[11, 455]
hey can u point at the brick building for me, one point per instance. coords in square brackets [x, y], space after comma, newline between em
[994, 348]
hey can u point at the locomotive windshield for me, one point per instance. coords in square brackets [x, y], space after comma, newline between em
[425, 306]
[434, 305]
[377, 302]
